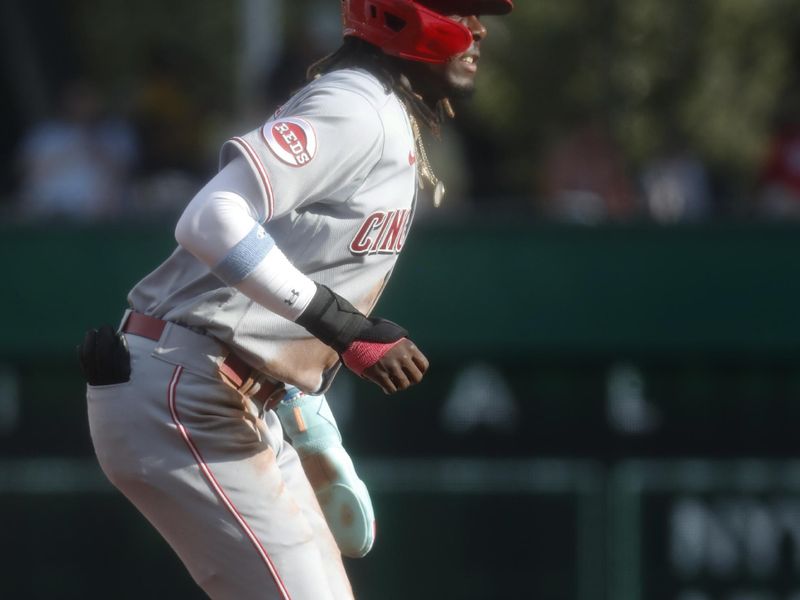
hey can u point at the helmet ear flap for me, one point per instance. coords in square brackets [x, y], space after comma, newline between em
[469, 7]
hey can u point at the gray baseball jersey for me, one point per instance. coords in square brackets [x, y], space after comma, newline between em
[337, 174]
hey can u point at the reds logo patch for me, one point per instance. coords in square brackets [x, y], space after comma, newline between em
[383, 232]
[292, 140]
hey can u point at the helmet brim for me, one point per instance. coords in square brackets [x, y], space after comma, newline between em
[469, 7]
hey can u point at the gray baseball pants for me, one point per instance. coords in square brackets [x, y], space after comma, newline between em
[213, 474]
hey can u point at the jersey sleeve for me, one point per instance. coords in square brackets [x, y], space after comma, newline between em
[319, 149]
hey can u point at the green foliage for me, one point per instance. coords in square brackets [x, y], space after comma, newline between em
[117, 38]
[709, 74]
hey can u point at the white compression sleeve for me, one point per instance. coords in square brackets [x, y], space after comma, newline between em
[219, 228]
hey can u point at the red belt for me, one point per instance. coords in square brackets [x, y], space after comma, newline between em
[241, 375]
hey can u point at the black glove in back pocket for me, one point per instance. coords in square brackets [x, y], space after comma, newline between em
[104, 357]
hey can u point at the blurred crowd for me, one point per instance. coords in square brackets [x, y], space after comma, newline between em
[94, 159]
[583, 176]
[89, 162]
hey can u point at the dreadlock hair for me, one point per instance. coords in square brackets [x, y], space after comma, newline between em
[390, 71]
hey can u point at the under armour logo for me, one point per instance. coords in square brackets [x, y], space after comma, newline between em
[293, 299]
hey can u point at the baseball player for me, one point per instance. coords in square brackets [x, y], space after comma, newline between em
[233, 340]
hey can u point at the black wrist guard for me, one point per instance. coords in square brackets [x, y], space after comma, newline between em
[337, 323]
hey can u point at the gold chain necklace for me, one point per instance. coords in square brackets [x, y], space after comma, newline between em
[424, 169]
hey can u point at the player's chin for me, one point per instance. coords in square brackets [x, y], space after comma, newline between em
[461, 78]
[460, 75]
[461, 89]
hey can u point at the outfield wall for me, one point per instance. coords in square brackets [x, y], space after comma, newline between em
[611, 414]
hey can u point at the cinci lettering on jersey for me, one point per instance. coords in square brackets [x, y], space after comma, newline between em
[382, 232]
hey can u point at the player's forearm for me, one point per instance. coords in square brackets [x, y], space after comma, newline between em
[276, 284]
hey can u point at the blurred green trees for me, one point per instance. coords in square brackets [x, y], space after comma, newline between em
[117, 38]
[709, 74]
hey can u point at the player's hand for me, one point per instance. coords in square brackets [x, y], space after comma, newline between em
[400, 368]
[372, 348]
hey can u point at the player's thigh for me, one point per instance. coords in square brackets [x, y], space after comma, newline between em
[192, 458]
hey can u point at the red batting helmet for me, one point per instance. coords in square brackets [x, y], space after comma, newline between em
[417, 29]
